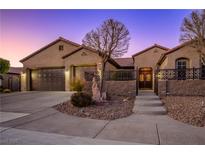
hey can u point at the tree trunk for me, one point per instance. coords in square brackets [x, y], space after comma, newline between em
[202, 56]
[102, 78]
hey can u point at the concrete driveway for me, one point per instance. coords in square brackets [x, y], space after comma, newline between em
[20, 104]
[32, 101]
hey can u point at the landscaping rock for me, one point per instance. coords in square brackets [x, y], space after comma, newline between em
[108, 111]
[187, 109]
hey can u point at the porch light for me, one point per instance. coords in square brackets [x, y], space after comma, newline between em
[159, 75]
[23, 74]
[67, 72]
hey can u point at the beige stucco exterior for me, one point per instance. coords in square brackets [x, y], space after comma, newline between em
[84, 57]
[149, 59]
[185, 52]
[23, 82]
[76, 55]
[49, 57]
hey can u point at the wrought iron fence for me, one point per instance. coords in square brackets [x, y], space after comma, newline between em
[181, 74]
[122, 75]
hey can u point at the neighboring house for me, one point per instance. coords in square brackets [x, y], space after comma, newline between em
[54, 66]
[11, 80]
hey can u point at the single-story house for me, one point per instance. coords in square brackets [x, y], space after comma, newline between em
[54, 66]
[11, 80]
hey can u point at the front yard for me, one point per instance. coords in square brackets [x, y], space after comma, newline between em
[111, 110]
[187, 109]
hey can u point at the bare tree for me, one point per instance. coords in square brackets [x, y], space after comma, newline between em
[111, 39]
[193, 31]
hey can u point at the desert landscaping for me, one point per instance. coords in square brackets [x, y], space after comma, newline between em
[187, 109]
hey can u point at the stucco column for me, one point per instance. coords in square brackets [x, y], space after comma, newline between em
[28, 79]
[67, 78]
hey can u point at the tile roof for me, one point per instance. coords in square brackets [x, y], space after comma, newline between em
[15, 70]
[125, 61]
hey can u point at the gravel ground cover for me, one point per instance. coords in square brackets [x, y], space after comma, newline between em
[111, 110]
[187, 109]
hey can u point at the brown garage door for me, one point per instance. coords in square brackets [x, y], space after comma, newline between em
[48, 79]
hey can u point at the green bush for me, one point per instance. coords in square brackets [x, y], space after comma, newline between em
[77, 85]
[81, 99]
[4, 66]
[6, 91]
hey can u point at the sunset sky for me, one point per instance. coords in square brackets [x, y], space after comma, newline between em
[25, 31]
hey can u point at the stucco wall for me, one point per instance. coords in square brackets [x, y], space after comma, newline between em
[182, 87]
[23, 82]
[50, 57]
[148, 58]
[115, 88]
[85, 57]
[184, 52]
[82, 58]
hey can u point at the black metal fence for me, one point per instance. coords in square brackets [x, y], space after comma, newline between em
[121, 75]
[181, 74]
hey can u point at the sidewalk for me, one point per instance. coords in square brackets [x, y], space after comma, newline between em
[17, 136]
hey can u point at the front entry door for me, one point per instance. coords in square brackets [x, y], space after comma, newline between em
[145, 78]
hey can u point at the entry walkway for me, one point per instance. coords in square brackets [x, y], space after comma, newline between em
[148, 103]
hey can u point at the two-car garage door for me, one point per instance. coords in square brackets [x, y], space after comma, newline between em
[52, 79]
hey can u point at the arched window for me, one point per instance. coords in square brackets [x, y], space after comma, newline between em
[181, 65]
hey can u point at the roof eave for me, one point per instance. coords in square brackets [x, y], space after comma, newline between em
[153, 46]
[47, 46]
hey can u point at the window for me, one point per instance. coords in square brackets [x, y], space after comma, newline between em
[181, 65]
[60, 47]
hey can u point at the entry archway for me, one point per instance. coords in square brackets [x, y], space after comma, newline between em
[145, 78]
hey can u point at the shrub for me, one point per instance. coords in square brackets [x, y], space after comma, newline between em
[81, 99]
[6, 91]
[77, 85]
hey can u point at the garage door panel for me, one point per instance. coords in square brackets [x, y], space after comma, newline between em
[48, 80]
